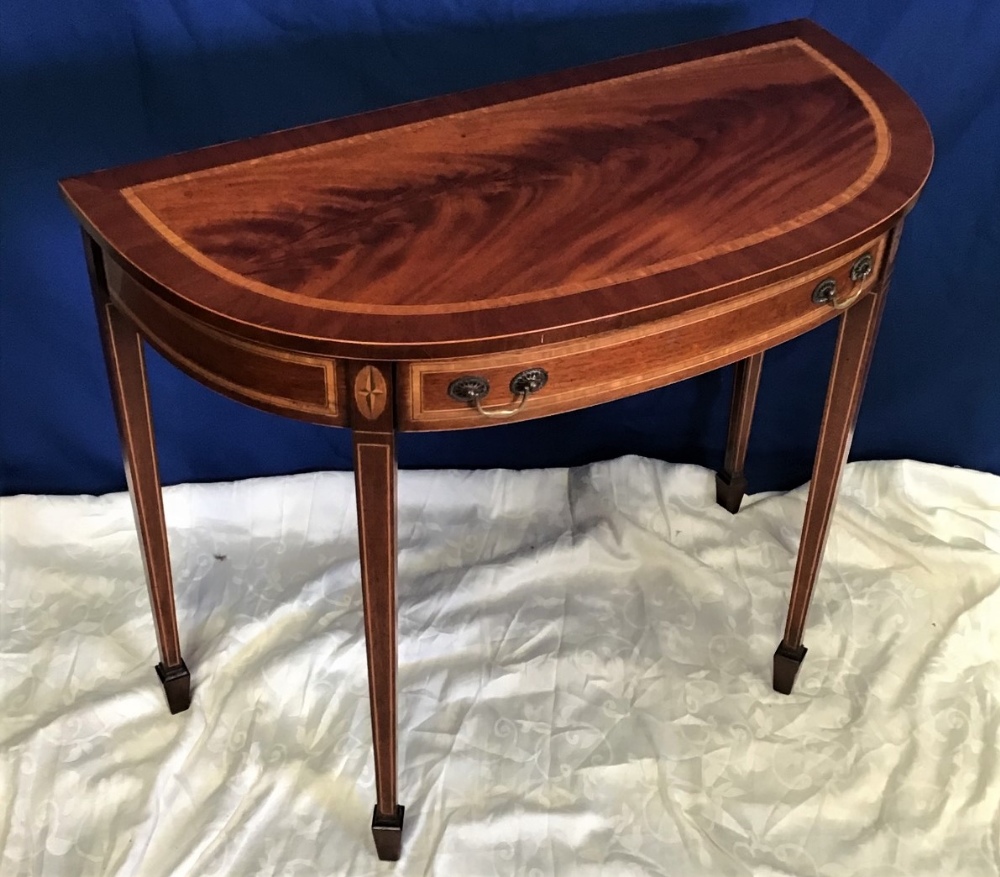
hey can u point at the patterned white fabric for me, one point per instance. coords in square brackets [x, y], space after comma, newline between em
[584, 681]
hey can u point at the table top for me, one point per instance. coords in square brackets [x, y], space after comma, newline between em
[527, 212]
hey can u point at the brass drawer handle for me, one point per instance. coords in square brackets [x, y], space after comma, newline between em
[825, 292]
[502, 412]
[472, 389]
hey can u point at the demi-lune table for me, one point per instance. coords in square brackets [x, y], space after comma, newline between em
[507, 253]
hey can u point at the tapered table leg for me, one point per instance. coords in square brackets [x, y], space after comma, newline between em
[123, 355]
[370, 389]
[730, 482]
[855, 343]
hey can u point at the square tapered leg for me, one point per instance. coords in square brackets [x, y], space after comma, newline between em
[125, 360]
[372, 417]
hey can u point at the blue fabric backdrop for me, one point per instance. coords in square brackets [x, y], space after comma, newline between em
[94, 83]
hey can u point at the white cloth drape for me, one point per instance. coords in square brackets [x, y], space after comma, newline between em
[584, 680]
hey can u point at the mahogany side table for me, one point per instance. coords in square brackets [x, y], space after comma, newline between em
[507, 253]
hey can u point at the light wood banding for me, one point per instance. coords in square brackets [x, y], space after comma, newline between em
[617, 364]
[299, 385]
[498, 179]
[529, 212]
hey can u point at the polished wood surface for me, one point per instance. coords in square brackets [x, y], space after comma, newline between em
[851, 360]
[302, 385]
[730, 481]
[126, 364]
[450, 215]
[610, 365]
[612, 229]
[375, 487]
[527, 212]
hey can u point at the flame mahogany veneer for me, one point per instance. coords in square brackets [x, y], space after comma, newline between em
[621, 225]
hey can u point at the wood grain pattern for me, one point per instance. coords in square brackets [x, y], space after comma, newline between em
[617, 364]
[531, 212]
[451, 214]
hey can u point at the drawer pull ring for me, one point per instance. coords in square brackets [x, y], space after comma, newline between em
[531, 380]
[825, 292]
[468, 388]
[472, 389]
[862, 267]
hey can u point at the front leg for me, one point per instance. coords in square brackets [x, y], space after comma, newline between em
[123, 355]
[851, 360]
[371, 391]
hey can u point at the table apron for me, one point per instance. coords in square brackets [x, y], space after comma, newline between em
[581, 373]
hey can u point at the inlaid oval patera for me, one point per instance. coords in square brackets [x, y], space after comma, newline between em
[370, 392]
[524, 209]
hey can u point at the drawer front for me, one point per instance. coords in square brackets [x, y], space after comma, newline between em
[616, 364]
[303, 386]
